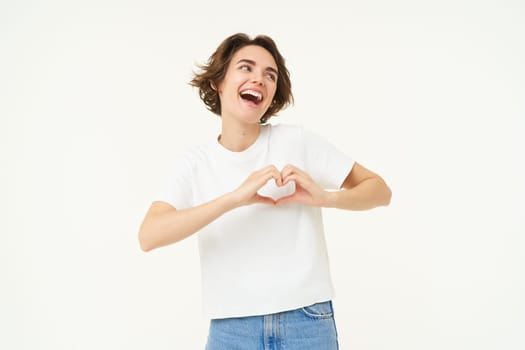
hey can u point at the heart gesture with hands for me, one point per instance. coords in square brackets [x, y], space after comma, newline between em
[307, 191]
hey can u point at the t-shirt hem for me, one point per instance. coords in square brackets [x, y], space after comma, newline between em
[269, 309]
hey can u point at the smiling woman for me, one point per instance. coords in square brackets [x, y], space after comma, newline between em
[250, 79]
[214, 71]
[254, 196]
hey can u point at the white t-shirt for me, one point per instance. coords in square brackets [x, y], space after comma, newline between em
[260, 259]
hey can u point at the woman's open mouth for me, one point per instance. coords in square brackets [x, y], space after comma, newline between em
[252, 96]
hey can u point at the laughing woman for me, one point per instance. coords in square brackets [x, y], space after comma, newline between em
[254, 196]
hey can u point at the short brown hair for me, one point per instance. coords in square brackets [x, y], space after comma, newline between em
[213, 72]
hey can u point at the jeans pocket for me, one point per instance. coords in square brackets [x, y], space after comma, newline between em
[319, 311]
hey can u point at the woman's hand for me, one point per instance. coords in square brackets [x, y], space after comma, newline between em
[361, 190]
[307, 191]
[247, 194]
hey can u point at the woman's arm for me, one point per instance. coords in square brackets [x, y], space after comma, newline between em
[165, 225]
[361, 190]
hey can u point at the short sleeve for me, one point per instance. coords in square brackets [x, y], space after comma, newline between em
[177, 188]
[326, 164]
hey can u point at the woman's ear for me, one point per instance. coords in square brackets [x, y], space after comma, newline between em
[213, 86]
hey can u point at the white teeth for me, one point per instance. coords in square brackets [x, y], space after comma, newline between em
[253, 93]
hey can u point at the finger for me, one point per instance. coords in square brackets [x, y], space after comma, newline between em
[298, 179]
[287, 170]
[271, 168]
[278, 179]
[276, 175]
[286, 199]
[292, 169]
[270, 172]
[264, 199]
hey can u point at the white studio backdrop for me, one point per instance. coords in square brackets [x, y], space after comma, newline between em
[94, 105]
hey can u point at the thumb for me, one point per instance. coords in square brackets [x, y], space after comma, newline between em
[264, 200]
[286, 199]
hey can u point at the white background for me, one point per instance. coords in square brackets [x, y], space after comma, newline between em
[94, 105]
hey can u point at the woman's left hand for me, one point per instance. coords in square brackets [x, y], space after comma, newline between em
[307, 191]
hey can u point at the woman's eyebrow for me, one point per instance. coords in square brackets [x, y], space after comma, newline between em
[252, 62]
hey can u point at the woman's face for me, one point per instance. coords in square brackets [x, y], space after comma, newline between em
[249, 85]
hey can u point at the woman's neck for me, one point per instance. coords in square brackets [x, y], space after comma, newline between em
[238, 137]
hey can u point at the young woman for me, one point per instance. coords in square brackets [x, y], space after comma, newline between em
[255, 195]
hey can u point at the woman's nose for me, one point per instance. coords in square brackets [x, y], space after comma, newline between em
[258, 79]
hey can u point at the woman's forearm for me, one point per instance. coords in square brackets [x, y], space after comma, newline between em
[166, 226]
[369, 194]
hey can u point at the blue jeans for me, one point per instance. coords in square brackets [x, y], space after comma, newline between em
[308, 328]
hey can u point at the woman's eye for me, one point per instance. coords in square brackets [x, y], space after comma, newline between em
[245, 68]
[271, 76]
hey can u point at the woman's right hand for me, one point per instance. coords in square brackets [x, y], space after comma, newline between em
[247, 194]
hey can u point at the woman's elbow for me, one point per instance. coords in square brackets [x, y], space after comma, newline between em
[144, 243]
[387, 195]
[145, 247]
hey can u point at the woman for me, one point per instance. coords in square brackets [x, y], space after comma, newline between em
[255, 196]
